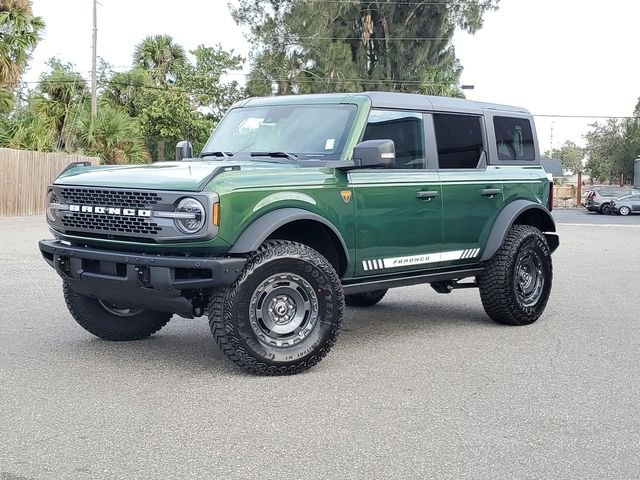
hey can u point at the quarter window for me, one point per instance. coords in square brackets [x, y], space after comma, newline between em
[406, 129]
[459, 140]
[514, 139]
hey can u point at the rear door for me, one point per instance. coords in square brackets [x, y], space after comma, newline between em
[471, 193]
[398, 211]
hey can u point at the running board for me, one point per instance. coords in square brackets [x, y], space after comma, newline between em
[383, 284]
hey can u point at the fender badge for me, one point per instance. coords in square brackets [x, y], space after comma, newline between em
[346, 195]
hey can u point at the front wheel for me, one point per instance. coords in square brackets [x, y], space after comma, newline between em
[283, 313]
[605, 209]
[516, 283]
[110, 321]
[624, 211]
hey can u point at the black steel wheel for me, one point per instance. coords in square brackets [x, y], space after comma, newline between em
[283, 313]
[110, 321]
[366, 299]
[516, 283]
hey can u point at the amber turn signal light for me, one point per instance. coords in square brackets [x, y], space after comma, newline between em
[216, 214]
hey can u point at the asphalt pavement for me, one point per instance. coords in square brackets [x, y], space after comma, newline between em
[421, 386]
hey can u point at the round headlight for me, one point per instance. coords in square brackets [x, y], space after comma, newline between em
[195, 218]
[52, 199]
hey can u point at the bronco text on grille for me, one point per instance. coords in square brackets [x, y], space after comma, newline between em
[110, 211]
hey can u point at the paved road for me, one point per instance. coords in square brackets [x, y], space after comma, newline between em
[421, 386]
[582, 216]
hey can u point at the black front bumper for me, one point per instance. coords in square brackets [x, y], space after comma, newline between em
[154, 282]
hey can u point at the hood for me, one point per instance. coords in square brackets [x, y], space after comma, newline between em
[184, 176]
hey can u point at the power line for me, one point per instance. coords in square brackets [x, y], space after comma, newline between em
[322, 80]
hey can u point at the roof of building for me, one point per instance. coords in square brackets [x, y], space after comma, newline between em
[553, 166]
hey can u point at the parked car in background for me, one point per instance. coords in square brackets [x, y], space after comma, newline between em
[626, 205]
[599, 200]
[587, 191]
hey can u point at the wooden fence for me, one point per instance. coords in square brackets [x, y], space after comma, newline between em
[24, 177]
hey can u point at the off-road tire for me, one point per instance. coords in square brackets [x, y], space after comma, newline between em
[366, 299]
[499, 282]
[232, 317]
[95, 319]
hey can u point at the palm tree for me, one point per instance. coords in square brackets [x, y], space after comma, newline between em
[114, 136]
[163, 59]
[20, 31]
[159, 55]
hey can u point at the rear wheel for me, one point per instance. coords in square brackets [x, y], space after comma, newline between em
[283, 313]
[366, 299]
[516, 283]
[110, 321]
[624, 211]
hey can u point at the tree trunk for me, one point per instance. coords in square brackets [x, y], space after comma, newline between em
[160, 150]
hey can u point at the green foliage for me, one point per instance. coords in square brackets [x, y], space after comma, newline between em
[613, 146]
[311, 47]
[114, 136]
[20, 32]
[571, 156]
[28, 131]
[161, 57]
[174, 100]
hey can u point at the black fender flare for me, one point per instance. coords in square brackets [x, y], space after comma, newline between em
[507, 217]
[256, 233]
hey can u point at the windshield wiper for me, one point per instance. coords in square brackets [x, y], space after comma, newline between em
[290, 156]
[216, 154]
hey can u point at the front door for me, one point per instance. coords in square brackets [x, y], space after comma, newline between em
[398, 211]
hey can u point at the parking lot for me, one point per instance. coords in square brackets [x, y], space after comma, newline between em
[421, 386]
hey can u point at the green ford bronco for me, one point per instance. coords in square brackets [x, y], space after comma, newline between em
[298, 205]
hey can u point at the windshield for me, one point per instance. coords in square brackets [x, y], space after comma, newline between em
[310, 132]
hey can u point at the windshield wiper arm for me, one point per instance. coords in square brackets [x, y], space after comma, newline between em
[290, 156]
[216, 154]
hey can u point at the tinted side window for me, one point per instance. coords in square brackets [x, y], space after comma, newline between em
[406, 129]
[514, 139]
[459, 140]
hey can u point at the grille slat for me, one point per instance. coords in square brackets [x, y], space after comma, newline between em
[103, 223]
[110, 198]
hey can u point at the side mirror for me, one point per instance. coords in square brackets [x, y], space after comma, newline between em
[184, 149]
[375, 153]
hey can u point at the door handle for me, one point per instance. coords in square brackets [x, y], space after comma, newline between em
[427, 195]
[489, 192]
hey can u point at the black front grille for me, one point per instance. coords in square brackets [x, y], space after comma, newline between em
[110, 223]
[110, 198]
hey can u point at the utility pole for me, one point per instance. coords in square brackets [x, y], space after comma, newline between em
[94, 79]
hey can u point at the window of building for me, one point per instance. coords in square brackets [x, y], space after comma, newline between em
[406, 129]
[459, 140]
[514, 139]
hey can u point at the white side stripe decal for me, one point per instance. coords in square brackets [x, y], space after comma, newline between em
[379, 264]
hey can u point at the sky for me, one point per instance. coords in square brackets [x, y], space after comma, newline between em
[553, 57]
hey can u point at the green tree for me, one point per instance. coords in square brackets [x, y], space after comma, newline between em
[612, 147]
[113, 136]
[571, 156]
[59, 98]
[303, 46]
[164, 60]
[20, 32]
